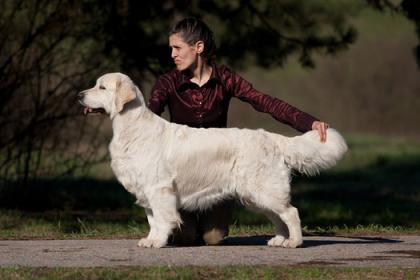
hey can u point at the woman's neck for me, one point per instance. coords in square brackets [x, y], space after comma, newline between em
[201, 73]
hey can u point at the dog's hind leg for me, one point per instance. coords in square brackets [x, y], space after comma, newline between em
[282, 231]
[282, 213]
[163, 216]
[290, 216]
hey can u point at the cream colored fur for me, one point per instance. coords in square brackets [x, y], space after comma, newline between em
[168, 166]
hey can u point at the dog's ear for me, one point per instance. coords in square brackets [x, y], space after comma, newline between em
[126, 92]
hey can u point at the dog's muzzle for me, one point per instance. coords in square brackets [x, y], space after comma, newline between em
[81, 94]
[87, 110]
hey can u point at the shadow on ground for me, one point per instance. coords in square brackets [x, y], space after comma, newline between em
[263, 239]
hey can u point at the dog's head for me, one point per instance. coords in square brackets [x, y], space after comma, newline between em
[111, 92]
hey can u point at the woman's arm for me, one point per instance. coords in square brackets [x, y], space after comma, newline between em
[159, 95]
[277, 108]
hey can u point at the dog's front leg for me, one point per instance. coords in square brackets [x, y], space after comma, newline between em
[163, 217]
[152, 224]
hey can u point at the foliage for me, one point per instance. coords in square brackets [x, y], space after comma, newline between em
[44, 59]
[269, 30]
[410, 8]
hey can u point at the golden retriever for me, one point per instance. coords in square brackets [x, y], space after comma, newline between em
[168, 166]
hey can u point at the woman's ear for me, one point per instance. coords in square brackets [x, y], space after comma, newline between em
[199, 46]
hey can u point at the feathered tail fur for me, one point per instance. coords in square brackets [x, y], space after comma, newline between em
[306, 154]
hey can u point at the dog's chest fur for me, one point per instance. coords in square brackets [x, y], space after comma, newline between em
[136, 160]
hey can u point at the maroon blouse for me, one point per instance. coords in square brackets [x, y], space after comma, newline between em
[207, 106]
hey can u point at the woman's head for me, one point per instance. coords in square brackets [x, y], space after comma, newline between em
[190, 39]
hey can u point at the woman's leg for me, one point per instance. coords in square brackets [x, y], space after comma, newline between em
[186, 234]
[214, 223]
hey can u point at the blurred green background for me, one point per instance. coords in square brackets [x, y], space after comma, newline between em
[350, 63]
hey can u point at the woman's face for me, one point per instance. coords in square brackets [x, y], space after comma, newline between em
[184, 55]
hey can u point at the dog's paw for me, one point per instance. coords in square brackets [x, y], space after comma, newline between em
[291, 243]
[151, 243]
[276, 241]
[280, 241]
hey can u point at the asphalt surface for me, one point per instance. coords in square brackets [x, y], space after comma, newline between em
[369, 251]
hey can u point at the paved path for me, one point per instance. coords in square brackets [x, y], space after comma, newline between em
[399, 251]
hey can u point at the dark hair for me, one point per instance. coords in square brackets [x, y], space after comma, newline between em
[193, 30]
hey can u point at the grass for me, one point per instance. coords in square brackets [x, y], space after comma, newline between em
[58, 225]
[230, 272]
[374, 190]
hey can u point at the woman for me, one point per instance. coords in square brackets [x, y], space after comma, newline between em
[197, 94]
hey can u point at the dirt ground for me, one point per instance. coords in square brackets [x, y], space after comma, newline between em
[364, 251]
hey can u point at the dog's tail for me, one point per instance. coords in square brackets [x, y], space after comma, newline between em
[306, 154]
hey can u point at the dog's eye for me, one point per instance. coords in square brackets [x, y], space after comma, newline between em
[102, 87]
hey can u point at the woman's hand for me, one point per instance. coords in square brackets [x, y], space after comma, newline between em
[321, 127]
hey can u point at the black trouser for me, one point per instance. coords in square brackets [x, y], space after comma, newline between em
[209, 227]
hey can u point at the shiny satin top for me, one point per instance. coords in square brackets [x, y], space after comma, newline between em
[207, 106]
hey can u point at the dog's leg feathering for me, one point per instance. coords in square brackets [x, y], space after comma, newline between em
[163, 217]
[282, 232]
[290, 216]
[286, 220]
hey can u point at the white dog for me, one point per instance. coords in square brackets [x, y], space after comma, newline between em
[169, 166]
